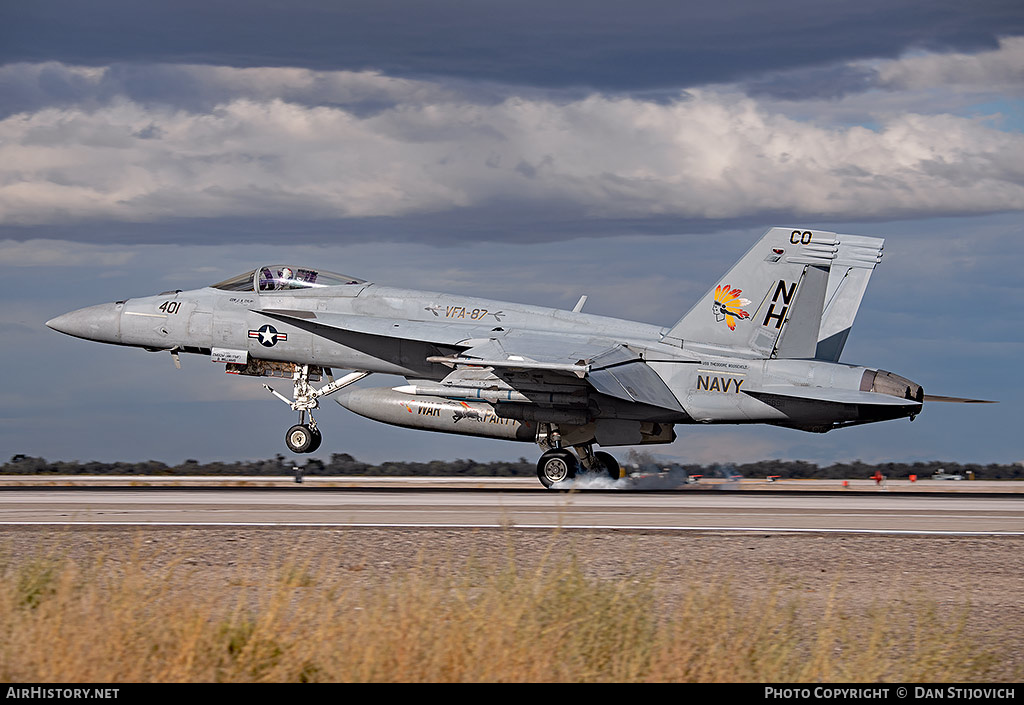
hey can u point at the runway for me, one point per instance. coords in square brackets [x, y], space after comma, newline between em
[821, 551]
[309, 506]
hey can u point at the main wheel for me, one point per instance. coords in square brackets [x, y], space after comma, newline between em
[556, 465]
[299, 438]
[609, 463]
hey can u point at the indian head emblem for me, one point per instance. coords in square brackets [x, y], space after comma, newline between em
[728, 305]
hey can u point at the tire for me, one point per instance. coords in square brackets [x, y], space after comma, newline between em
[317, 440]
[609, 463]
[557, 465]
[299, 438]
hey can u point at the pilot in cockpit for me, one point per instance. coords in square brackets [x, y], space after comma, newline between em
[284, 278]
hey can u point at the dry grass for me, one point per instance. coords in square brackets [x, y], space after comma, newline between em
[125, 621]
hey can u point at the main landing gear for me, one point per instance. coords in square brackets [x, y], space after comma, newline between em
[305, 437]
[559, 465]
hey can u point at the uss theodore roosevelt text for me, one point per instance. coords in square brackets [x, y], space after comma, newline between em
[761, 346]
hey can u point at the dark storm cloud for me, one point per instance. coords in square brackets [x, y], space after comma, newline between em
[490, 223]
[606, 45]
[820, 82]
[28, 87]
[493, 223]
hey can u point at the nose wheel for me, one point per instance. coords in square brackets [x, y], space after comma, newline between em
[303, 438]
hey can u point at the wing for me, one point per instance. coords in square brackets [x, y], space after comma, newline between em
[530, 361]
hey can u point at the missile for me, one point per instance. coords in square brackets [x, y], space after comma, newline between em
[494, 395]
[432, 413]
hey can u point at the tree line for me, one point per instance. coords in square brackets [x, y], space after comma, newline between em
[345, 464]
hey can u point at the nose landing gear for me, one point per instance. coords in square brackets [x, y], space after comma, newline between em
[305, 437]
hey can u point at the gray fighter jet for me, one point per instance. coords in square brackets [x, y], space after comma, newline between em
[761, 346]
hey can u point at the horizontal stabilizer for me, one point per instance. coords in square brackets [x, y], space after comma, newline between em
[833, 396]
[634, 382]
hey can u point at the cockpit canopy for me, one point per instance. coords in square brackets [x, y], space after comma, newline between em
[280, 277]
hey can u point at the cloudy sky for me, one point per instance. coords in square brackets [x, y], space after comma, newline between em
[531, 151]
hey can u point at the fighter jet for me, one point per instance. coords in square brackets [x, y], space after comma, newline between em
[761, 346]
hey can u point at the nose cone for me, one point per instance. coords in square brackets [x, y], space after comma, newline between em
[101, 323]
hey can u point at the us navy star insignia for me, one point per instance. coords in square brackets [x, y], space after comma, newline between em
[268, 335]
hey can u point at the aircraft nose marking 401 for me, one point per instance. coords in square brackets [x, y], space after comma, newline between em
[761, 346]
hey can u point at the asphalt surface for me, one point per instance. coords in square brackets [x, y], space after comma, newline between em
[310, 505]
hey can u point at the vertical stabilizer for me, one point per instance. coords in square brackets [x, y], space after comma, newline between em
[848, 278]
[769, 304]
[799, 335]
